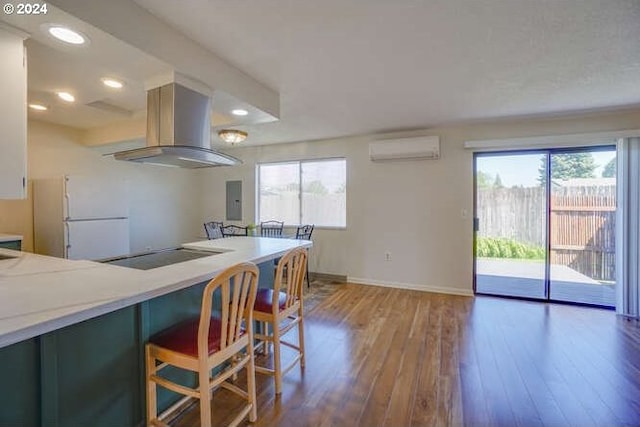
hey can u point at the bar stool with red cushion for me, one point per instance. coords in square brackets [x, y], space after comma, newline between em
[281, 308]
[206, 342]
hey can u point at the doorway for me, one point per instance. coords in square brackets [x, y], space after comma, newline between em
[545, 225]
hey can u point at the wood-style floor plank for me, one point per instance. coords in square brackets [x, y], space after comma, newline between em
[388, 357]
[403, 395]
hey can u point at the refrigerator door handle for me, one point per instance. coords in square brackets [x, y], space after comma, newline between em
[67, 196]
[67, 242]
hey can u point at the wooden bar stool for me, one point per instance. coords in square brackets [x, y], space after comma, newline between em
[281, 308]
[206, 342]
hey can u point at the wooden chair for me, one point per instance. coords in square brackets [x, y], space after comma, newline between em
[234, 230]
[279, 310]
[271, 228]
[304, 233]
[213, 230]
[207, 343]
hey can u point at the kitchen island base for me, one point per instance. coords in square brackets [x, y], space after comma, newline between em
[92, 373]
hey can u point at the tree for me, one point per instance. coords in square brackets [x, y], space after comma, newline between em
[566, 166]
[292, 186]
[315, 187]
[483, 179]
[498, 182]
[609, 170]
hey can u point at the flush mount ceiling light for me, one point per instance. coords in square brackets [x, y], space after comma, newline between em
[239, 112]
[66, 96]
[112, 83]
[38, 107]
[232, 136]
[66, 35]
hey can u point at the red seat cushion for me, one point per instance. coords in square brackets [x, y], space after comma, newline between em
[183, 337]
[264, 300]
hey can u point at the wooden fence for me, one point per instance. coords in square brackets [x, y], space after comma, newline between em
[582, 223]
[319, 209]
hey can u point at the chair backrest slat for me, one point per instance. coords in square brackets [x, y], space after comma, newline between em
[238, 286]
[304, 232]
[234, 230]
[290, 277]
[271, 228]
[213, 230]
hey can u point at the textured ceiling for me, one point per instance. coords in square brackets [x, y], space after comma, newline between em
[350, 67]
[346, 67]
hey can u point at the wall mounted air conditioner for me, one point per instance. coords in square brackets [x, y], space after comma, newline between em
[423, 147]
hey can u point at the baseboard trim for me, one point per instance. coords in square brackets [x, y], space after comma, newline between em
[327, 277]
[410, 286]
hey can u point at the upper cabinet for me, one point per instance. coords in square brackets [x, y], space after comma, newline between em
[13, 115]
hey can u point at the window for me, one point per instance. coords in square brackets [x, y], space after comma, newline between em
[304, 192]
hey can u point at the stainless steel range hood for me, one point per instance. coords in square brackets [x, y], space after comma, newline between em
[178, 131]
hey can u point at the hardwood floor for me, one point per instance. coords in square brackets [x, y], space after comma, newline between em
[388, 357]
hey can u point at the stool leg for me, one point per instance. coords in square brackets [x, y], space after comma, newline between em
[251, 386]
[301, 336]
[276, 357]
[265, 332]
[152, 410]
[205, 397]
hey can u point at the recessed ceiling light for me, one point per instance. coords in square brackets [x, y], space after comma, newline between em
[239, 112]
[38, 107]
[66, 96]
[112, 83]
[66, 35]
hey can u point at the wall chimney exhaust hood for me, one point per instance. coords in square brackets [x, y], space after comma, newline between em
[178, 131]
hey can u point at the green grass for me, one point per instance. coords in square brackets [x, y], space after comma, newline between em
[495, 247]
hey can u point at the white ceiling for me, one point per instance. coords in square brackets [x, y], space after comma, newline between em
[348, 67]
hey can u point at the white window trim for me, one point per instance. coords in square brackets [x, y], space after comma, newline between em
[550, 141]
[297, 161]
[628, 210]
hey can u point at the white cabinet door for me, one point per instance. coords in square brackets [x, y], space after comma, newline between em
[13, 116]
[89, 197]
[96, 240]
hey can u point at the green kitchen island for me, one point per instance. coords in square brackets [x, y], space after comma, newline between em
[72, 333]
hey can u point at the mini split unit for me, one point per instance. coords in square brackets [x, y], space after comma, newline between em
[423, 147]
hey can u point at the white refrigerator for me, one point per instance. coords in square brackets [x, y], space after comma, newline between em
[81, 217]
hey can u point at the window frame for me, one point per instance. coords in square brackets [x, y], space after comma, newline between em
[299, 162]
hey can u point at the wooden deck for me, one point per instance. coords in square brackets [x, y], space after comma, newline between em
[389, 357]
[526, 279]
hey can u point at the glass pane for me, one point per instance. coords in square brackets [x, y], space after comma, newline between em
[279, 188]
[583, 211]
[511, 214]
[324, 193]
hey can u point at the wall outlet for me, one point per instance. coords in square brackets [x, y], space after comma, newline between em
[387, 256]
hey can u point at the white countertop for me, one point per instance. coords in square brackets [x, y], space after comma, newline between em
[9, 237]
[39, 294]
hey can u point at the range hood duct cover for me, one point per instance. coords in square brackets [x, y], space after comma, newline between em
[178, 131]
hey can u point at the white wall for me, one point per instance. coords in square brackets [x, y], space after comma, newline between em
[164, 202]
[411, 209]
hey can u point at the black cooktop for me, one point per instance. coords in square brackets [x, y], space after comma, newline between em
[147, 261]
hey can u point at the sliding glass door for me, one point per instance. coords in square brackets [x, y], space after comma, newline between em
[545, 225]
[582, 232]
[511, 221]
